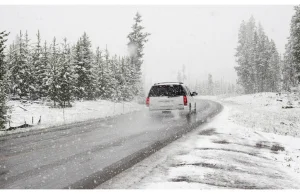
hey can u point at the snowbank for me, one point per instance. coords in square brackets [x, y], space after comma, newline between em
[267, 112]
[31, 113]
[267, 99]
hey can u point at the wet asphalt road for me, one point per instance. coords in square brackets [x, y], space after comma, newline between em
[84, 155]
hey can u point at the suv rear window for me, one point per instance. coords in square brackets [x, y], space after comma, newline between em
[167, 90]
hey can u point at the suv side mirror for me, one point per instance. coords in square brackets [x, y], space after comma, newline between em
[194, 94]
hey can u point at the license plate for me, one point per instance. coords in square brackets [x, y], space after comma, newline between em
[165, 101]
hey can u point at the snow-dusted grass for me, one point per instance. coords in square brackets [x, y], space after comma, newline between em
[81, 111]
[265, 112]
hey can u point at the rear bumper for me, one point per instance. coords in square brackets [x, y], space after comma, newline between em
[184, 110]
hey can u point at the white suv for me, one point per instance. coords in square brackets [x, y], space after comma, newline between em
[171, 96]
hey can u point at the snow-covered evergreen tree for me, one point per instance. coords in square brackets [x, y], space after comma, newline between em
[258, 61]
[39, 67]
[53, 83]
[274, 74]
[83, 63]
[116, 79]
[246, 56]
[295, 42]
[98, 71]
[137, 39]
[3, 81]
[288, 69]
[128, 73]
[29, 75]
[20, 68]
[243, 67]
[108, 79]
[44, 71]
[124, 79]
[66, 76]
[264, 66]
[10, 63]
[291, 67]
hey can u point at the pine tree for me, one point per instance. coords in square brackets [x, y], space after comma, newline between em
[115, 79]
[83, 62]
[265, 53]
[98, 70]
[29, 75]
[250, 56]
[288, 70]
[44, 72]
[10, 63]
[258, 61]
[66, 76]
[295, 42]
[291, 67]
[3, 81]
[129, 89]
[39, 68]
[53, 84]
[124, 80]
[274, 70]
[241, 55]
[20, 68]
[137, 39]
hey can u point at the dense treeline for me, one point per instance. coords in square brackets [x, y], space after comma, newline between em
[260, 67]
[259, 63]
[63, 72]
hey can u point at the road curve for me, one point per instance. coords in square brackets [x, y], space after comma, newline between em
[86, 154]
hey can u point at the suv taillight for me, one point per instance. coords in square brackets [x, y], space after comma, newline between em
[147, 101]
[185, 100]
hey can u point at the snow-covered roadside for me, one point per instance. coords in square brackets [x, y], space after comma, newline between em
[267, 112]
[220, 154]
[81, 111]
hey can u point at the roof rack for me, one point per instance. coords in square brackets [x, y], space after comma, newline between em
[168, 82]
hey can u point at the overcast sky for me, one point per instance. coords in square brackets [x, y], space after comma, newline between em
[203, 38]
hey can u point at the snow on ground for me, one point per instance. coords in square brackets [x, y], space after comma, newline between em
[81, 111]
[266, 112]
[224, 153]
